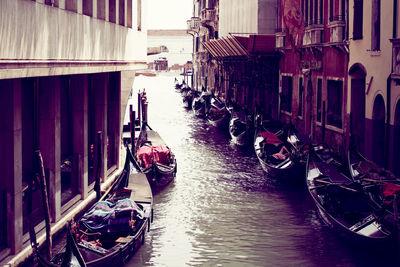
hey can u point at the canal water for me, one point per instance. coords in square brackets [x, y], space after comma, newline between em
[221, 210]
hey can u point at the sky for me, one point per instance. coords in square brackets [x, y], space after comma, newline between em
[168, 14]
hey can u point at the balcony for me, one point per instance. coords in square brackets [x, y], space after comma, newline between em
[193, 24]
[207, 16]
[280, 40]
[396, 58]
[336, 28]
[314, 34]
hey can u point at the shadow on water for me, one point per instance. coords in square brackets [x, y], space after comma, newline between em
[222, 210]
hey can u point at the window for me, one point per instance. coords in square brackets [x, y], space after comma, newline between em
[331, 10]
[376, 25]
[321, 11]
[139, 15]
[129, 14]
[358, 20]
[87, 7]
[334, 112]
[286, 94]
[111, 11]
[71, 5]
[319, 98]
[121, 13]
[301, 93]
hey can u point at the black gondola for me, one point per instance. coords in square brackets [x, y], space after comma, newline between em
[155, 158]
[96, 240]
[341, 202]
[218, 114]
[380, 185]
[188, 99]
[279, 151]
[201, 104]
[240, 127]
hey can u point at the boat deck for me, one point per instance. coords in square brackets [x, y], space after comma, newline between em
[141, 190]
[155, 138]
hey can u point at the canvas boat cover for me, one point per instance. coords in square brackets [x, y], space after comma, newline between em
[271, 138]
[108, 217]
[389, 190]
[160, 154]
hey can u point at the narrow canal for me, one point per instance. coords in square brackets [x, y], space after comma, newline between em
[222, 210]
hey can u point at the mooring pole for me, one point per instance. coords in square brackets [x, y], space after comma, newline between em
[139, 107]
[45, 200]
[323, 122]
[132, 123]
[99, 162]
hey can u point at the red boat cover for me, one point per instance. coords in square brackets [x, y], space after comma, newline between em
[160, 154]
[271, 138]
[145, 156]
[390, 189]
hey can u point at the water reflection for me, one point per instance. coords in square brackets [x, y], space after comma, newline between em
[222, 211]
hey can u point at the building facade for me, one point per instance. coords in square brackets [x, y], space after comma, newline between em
[313, 69]
[374, 80]
[66, 70]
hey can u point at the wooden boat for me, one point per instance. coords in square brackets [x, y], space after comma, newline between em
[155, 158]
[279, 151]
[188, 99]
[97, 240]
[179, 86]
[380, 185]
[201, 104]
[240, 127]
[218, 114]
[341, 202]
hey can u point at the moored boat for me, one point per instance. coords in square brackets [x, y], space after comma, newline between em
[155, 158]
[188, 99]
[380, 185]
[201, 104]
[218, 114]
[240, 127]
[341, 202]
[113, 229]
[279, 151]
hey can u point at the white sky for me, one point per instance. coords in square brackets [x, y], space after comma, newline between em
[168, 14]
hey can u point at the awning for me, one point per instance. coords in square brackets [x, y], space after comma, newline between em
[239, 46]
[225, 48]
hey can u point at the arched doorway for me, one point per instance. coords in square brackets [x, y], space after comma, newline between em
[378, 131]
[357, 130]
[396, 143]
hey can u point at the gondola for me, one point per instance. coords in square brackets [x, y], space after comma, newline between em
[113, 229]
[380, 185]
[201, 104]
[341, 202]
[179, 86]
[280, 152]
[240, 127]
[188, 99]
[218, 114]
[155, 158]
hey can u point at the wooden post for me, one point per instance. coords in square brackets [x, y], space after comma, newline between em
[99, 162]
[145, 111]
[132, 123]
[323, 121]
[139, 107]
[43, 188]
